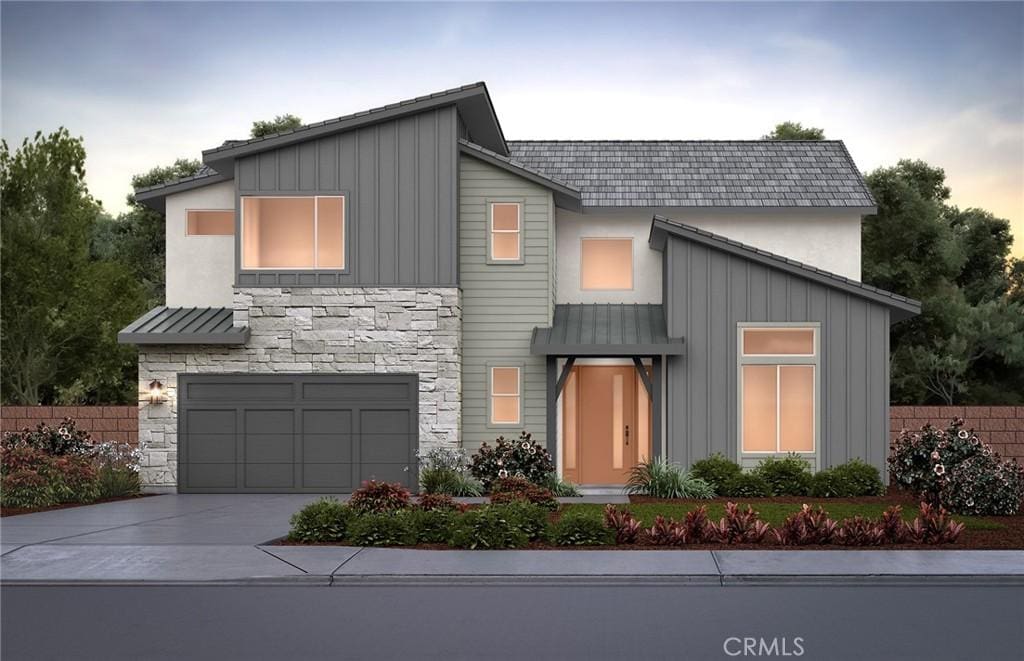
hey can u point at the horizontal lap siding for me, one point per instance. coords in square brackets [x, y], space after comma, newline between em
[708, 293]
[400, 179]
[501, 304]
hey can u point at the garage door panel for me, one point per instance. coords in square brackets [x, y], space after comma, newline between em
[212, 476]
[385, 421]
[269, 448]
[326, 422]
[269, 476]
[211, 448]
[232, 390]
[356, 392]
[327, 448]
[327, 476]
[211, 421]
[385, 473]
[280, 421]
[385, 448]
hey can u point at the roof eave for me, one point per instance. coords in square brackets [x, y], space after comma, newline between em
[155, 197]
[235, 338]
[566, 197]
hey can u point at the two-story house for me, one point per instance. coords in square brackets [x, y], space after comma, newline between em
[345, 294]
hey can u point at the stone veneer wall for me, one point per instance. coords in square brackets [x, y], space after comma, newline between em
[312, 330]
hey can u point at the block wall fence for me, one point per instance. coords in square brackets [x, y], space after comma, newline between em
[1001, 426]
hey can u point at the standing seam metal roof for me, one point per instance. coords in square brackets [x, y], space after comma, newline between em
[164, 325]
[606, 329]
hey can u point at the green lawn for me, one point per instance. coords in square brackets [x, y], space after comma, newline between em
[776, 513]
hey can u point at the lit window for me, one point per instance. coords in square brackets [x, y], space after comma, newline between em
[210, 223]
[293, 232]
[606, 264]
[505, 232]
[505, 396]
[777, 391]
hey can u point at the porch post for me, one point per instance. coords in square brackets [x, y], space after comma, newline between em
[656, 407]
[552, 417]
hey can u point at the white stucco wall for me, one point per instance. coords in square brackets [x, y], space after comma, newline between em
[200, 269]
[826, 238]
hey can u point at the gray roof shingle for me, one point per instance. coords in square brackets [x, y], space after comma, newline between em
[701, 173]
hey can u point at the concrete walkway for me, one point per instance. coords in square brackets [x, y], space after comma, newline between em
[175, 539]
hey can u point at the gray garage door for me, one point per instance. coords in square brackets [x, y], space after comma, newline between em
[306, 433]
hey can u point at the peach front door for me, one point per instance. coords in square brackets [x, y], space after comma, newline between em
[605, 438]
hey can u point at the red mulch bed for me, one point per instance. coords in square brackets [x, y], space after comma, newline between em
[16, 511]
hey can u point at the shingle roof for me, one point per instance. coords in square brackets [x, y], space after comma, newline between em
[901, 306]
[565, 195]
[701, 173]
[606, 330]
[164, 325]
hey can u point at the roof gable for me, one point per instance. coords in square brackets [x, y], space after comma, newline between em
[566, 196]
[662, 228]
[702, 173]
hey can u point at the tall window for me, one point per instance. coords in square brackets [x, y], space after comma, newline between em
[293, 232]
[505, 232]
[606, 263]
[778, 367]
[210, 223]
[505, 390]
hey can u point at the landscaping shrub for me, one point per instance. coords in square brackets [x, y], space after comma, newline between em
[382, 528]
[74, 479]
[662, 479]
[806, 527]
[983, 484]
[787, 476]
[487, 527]
[622, 524]
[374, 496]
[323, 520]
[530, 518]
[892, 525]
[432, 526]
[576, 528]
[117, 475]
[933, 526]
[559, 487]
[432, 502]
[947, 467]
[510, 489]
[444, 471]
[666, 532]
[739, 527]
[697, 525]
[26, 489]
[747, 485]
[56, 441]
[850, 480]
[717, 470]
[859, 531]
[512, 458]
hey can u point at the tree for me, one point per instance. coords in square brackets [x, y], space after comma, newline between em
[794, 131]
[61, 309]
[277, 125]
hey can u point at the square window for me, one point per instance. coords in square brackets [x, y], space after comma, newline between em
[606, 264]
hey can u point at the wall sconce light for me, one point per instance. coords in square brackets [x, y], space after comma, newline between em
[157, 394]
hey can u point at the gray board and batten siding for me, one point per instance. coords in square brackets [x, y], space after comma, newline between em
[709, 292]
[295, 433]
[399, 179]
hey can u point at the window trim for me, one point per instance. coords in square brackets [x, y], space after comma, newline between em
[778, 360]
[316, 211]
[490, 367]
[814, 341]
[632, 262]
[490, 231]
[230, 211]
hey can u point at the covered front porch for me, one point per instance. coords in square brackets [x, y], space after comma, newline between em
[605, 388]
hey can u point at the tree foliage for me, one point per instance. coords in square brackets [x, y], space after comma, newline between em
[61, 308]
[287, 122]
[794, 131]
[967, 346]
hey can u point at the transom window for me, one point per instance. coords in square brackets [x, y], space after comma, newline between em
[210, 222]
[778, 402]
[505, 235]
[505, 395]
[606, 263]
[293, 232]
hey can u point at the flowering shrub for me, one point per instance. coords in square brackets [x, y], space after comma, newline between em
[511, 489]
[739, 526]
[118, 470]
[374, 496]
[622, 524]
[806, 527]
[512, 458]
[63, 439]
[955, 469]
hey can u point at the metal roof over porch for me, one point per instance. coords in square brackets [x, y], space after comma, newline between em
[606, 330]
